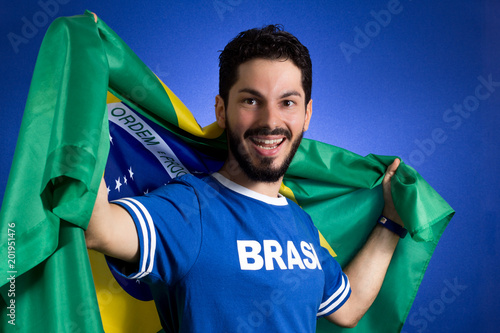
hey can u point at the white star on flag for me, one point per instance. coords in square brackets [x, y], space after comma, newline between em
[118, 184]
[108, 189]
[125, 179]
[111, 139]
[131, 173]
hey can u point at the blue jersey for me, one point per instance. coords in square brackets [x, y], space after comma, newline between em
[219, 257]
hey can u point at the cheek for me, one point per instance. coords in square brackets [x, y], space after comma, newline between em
[241, 121]
[296, 123]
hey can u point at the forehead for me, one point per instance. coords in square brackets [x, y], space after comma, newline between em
[266, 74]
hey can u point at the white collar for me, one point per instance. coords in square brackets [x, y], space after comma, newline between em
[278, 201]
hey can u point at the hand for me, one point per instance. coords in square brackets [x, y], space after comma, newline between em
[389, 208]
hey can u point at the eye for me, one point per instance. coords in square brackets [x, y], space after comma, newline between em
[250, 101]
[288, 103]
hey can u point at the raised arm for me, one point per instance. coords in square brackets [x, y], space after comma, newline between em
[111, 229]
[367, 270]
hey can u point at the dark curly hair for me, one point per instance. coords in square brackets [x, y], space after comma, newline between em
[269, 42]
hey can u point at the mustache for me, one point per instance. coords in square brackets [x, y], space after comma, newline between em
[265, 131]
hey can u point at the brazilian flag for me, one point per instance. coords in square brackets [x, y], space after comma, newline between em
[95, 108]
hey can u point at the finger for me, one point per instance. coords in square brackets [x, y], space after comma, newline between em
[391, 170]
[394, 166]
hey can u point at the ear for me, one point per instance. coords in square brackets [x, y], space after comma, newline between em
[220, 111]
[309, 110]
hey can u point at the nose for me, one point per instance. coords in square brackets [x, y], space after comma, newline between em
[270, 116]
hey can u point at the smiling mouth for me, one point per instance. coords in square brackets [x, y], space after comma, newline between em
[266, 143]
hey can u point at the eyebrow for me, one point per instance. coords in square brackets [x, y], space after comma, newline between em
[291, 93]
[258, 94]
[251, 92]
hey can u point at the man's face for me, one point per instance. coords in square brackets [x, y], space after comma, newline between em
[265, 118]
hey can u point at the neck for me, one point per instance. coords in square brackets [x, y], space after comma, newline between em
[232, 171]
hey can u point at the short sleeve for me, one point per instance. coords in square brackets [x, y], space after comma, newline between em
[169, 229]
[337, 288]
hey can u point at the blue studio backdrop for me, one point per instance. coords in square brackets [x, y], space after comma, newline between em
[418, 79]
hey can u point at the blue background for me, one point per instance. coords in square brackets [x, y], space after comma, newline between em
[388, 97]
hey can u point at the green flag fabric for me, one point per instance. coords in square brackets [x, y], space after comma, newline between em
[61, 154]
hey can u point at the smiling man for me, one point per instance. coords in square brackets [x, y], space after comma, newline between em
[265, 118]
[226, 252]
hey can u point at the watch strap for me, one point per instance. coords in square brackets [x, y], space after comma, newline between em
[392, 226]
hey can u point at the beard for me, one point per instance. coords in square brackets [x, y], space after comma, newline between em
[262, 171]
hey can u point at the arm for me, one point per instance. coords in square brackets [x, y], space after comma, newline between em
[111, 229]
[367, 270]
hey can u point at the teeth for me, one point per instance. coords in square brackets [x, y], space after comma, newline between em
[268, 142]
[265, 144]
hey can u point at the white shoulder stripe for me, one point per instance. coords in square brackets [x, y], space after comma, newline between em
[152, 234]
[147, 231]
[343, 290]
[335, 295]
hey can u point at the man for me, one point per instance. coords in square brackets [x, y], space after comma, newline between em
[226, 252]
